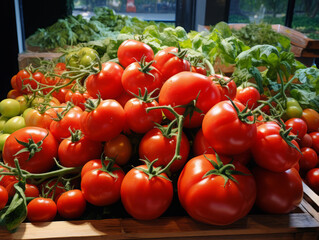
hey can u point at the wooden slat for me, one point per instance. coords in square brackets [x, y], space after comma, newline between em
[171, 227]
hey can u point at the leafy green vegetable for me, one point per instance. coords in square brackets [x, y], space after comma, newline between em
[14, 214]
[307, 93]
[257, 34]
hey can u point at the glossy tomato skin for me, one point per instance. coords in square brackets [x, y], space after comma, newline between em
[41, 210]
[311, 117]
[137, 119]
[185, 87]
[107, 82]
[135, 80]
[200, 144]
[119, 148]
[3, 197]
[76, 154]
[131, 51]
[154, 145]
[306, 141]
[315, 141]
[312, 179]
[225, 132]
[228, 89]
[60, 128]
[273, 197]
[100, 188]
[108, 117]
[71, 204]
[91, 165]
[169, 64]
[37, 119]
[209, 199]
[308, 160]
[248, 96]
[144, 198]
[298, 126]
[77, 98]
[42, 161]
[270, 150]
[24, 78]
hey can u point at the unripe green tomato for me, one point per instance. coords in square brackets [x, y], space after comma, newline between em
[3, 138]
[14, 124]
[72, 59]
[293, 110]
[2, 122]
[9, 107]
[87, 56]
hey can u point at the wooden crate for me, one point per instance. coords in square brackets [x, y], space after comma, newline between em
[302, 224]
[27, 58]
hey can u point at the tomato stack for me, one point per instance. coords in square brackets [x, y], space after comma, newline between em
[148, 130]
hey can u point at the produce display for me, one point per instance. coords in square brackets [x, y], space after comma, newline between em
[152, 130]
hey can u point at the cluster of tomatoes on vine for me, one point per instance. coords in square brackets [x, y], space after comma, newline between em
[89, 110]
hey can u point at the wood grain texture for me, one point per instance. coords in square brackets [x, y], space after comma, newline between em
[251, 227]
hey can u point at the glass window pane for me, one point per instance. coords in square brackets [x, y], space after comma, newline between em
[306, 18]
[256, 11]
[150, 10]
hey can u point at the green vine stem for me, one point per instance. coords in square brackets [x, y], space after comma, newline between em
[180, 121]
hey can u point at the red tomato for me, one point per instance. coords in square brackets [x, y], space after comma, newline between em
[77, 98]
[298, 126]
[248, 96]
[31, 190]
[119, 148]
[60, 94]
[26, 83]
[146, 198]
[200, 144]
[312, 179]
[315, 141]
[38, 118]
[306, 141]
[225, 132]
[71, 204]
[52, 189]
[5, 180]
[155, 145]
[108, 117]
[226, 86]
[3, 197]
[311, 117]
[140, 77]
[41, 150]
[271, 151]
[13, 93]
[107, 83]
[200, 70]
[137, 119]
[171, 61]
[69, 119]
[278, 198]
[76, 152]
[14, 82]
[123, 98]
[185, 87]
[210, 198]
[41, 210]
[131, 51]
[101, 187]
[91, 165]
[308, 160]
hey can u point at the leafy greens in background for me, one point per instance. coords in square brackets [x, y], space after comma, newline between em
[307, 93]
